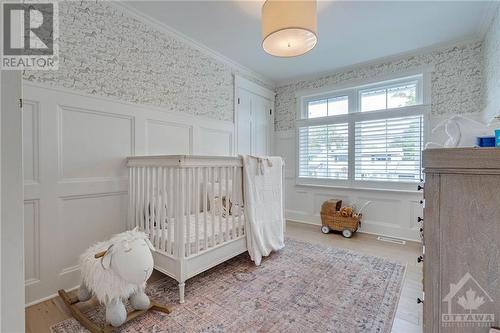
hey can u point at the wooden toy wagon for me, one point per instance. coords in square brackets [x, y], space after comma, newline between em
[334, 217]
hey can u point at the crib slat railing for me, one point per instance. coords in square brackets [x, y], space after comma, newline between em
[165, 203]
[240, 202]
[212, 204]
[147, 200]
[205, 208]
[153, 223]
[142, 185]
[159, 207]
[237, 203]
[219, 204]
[143, 198]
[170, 210]
[163, 207]
[180, 216]
[131, 197]
[196, 209]
[233, 197]
[226, 203]
[187, 212]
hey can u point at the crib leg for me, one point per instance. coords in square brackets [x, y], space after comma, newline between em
[181, 292]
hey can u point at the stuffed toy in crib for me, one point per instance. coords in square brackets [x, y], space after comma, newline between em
[117, 270]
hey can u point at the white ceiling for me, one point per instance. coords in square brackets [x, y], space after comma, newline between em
[349, 32]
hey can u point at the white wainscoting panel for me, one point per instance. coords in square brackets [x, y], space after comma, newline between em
[92, 143]
[84, 220]
[215, 141]
[76, 182]
[166, 138]
[390, 213]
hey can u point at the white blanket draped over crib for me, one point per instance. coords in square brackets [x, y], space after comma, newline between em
[264, 222]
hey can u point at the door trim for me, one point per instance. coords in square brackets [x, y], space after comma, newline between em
[12, 204]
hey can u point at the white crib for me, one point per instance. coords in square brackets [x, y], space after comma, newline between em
[192, 209]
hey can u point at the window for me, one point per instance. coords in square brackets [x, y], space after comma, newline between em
[388, 149]
[324, 151]
[389, 97]
[327, 107]
[363, 135]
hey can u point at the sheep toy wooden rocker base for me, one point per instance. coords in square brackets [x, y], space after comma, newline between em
[93, 327]
[114, 275]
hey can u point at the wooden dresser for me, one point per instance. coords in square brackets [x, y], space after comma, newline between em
[461, 238]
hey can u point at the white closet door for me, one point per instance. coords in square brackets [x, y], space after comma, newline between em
[254, 118]
[261, 112]
[244, 122]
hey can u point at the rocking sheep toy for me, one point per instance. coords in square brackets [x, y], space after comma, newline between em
[114, 271]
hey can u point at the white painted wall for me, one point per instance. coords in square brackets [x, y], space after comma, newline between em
[75, 179]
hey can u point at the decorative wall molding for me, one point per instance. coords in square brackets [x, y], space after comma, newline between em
[127, 104]
[211, 141]
[87, 202]
[171, 125]
[69, 270]
[99, 116]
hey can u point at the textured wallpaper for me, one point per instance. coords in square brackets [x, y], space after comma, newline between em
[492, 68]
[457, 81]
[105, 52]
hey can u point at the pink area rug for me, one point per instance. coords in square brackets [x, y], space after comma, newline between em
[302, 288]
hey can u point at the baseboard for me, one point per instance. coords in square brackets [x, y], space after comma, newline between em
[48, 297]
[368, 232]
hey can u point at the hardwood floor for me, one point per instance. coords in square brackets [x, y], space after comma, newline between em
[40, 317]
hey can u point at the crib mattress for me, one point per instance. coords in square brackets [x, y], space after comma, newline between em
[219, 229]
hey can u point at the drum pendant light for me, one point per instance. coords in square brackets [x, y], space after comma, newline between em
[289, 28]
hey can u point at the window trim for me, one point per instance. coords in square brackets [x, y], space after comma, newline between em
[355, 115]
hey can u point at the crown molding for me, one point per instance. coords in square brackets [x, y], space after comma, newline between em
[392, 57]
[160, 26]
[491, 11]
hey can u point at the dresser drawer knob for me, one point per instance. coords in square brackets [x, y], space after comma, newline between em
[420, 187]
[421, 229]
[421, 202]
[420, 259]
[419, 300]
[419, 219]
